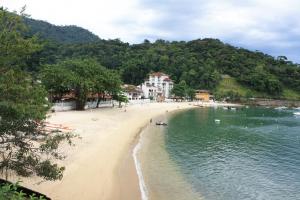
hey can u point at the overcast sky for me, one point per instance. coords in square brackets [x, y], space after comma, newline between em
[270, 26]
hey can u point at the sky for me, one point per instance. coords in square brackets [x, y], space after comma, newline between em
[269, 26]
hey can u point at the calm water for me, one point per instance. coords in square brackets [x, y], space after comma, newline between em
[252, 153]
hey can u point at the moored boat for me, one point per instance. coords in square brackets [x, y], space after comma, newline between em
[161, 124]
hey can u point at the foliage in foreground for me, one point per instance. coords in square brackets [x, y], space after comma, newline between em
[11, 192]
[26, 147]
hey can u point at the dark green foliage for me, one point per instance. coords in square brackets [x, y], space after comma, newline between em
[61, 34]
[23, 107]
[190, 93]
[83, 77]
[231, 96]
[13, 192]
[182, 90]
[200, 63]
[179, 90]
[15, 50]
[120, 98]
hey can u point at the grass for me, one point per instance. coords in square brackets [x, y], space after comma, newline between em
[230, 84]
[290, 94]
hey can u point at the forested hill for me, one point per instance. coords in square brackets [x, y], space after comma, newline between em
[200, 64]
[61, 34]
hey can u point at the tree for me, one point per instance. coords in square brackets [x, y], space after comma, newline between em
[57, 80]
[15, 49]
[25, 147]
[78, 76]
[83, 77]
[24, 141]
[121, 98]
[179, 89]
[190, 93]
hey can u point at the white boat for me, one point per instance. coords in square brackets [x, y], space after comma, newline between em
[297, 113]
[217, 121]
[280, 108]
[161, 124]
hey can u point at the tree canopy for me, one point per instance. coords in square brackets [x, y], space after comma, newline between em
[83, 77]
[26, 148]
[200, 63]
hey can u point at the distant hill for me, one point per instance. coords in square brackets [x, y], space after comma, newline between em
[60, 34]
[201, 63]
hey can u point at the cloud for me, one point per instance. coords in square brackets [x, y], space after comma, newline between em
[271, 26]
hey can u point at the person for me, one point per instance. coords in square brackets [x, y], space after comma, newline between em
[150, 120]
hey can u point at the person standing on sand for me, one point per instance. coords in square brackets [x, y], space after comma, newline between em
[150, 120]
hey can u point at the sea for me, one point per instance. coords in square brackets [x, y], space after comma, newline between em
[248, 153]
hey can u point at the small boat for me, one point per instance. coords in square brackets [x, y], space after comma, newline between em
[217, 121]
[281, 108]
[297, 113]
[161, 124]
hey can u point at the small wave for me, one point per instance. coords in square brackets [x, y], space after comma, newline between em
[138, 167]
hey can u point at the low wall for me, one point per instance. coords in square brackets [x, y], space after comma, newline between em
[71, 105]
[275, 103]
[141, 101]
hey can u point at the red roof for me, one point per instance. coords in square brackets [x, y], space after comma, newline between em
[159, 74]
[167, 79]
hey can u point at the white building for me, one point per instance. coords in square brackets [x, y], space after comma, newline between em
[157, 87]
[132, 92]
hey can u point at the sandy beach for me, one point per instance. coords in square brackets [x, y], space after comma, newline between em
[100, 165]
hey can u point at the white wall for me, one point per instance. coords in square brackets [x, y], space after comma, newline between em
[71, 105]
[158, 86]
[141, 101]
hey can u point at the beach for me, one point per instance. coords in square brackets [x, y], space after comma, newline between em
[100, 165]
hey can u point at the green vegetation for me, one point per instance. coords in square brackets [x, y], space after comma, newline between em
[12, 192]
[200, 63]
[83, 77]
[290, 94]
[25, 147]
[182, 90]
[32, 69]
[230, 88]
[60, 34]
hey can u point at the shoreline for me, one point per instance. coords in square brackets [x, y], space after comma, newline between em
[137, 146]
[95, 165]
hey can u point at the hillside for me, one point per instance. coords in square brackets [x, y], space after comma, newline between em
[60, 34]
[229, 86]
[200, 63]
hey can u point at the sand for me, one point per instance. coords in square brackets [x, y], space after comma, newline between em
[100, 165]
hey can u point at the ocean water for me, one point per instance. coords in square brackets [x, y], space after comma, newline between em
[252, 153]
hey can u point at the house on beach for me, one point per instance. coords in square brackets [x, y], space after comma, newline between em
[132, 92]
[203, 95]
[157, 87]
